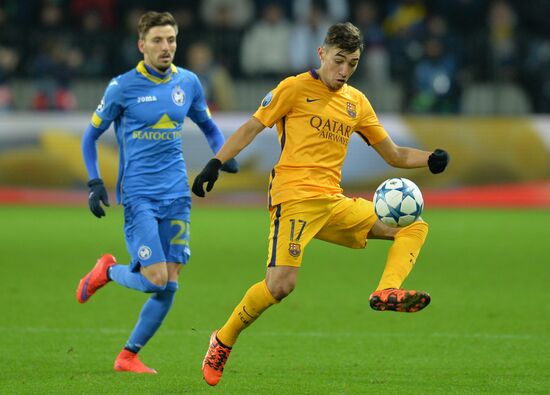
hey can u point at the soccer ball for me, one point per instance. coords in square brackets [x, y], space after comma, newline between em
[398, 202]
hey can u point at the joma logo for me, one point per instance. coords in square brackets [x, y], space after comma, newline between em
[146, 99]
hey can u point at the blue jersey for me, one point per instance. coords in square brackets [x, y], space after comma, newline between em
[148, 111]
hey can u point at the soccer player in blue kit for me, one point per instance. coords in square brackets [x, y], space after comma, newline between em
[148, 106]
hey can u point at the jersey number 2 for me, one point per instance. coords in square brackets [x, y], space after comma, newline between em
[179, 238]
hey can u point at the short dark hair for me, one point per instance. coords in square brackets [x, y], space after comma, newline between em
[345, 36]
[152, 18]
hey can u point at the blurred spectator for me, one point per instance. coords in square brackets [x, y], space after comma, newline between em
[405, 17]
[286, 5]
[307, 36]
[434, 87]
[215, 80]
[497, 41]
[533, 15]
[335, 10]
[375, 62]
[404, 26]
[536, 72]
[272, 32]
[189, 31]
[224, 33]
[9, 59]
[127, 51]
[237, 14]
[95, 43]
[103, 9]
[52, 71]
[8, 32]
[503, 42]
[53, 61]
[463, 16]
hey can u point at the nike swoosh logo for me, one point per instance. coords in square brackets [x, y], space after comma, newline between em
[247, 313]
[311, 100]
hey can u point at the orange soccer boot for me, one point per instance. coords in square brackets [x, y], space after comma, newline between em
[214, 360]
[401, 300]
[95, 279]
[128, 361]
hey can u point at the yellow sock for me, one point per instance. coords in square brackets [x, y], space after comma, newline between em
[256, 300]
[402, 255]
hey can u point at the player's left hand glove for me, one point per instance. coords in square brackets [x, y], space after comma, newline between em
[97, 193]
[209, 174]
[231, 166]
[438, 161]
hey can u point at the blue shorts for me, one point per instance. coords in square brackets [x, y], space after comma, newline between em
[157, 231]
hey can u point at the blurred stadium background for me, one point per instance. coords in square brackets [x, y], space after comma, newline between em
[469, 76]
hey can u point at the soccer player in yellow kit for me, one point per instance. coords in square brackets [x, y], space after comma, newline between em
[316, 112]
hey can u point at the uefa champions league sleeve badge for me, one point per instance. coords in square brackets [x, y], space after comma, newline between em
[267, 99]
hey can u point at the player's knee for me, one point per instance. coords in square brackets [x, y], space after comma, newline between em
[282, 289]
[150, 287]
[157, 274]
[422, 228]
[171, 287]
[418, 229]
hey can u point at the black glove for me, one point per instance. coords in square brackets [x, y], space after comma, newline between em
[438, 161]
[231, 166]
[97, 193]
[209, 174]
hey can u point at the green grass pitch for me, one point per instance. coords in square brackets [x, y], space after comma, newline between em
[486, 331]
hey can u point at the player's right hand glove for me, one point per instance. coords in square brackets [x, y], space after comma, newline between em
[209, 174]
[98, 194]
[438, 161]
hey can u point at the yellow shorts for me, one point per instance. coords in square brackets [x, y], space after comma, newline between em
[333, 218]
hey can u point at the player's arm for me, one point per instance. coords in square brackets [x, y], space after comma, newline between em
[109, 108]
[246, 133]
[215, 140]
[235, 144]
[410, 158]
[97, 188]
[200, 114]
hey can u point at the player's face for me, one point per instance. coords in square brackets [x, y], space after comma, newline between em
[337, 66]
[158, 47]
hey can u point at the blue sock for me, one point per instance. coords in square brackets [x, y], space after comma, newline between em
[122, 275]
[151, 317]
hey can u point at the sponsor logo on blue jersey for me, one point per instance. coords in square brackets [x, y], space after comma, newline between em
[146, 99]
[154, 135]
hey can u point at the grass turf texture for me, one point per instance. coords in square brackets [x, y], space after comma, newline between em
[486, 331]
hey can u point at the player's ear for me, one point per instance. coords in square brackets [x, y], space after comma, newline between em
[321, 53]
[141, 45]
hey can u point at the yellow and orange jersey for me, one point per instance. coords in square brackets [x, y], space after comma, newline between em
[314, 126]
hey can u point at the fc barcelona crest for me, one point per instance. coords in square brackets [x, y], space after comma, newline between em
[351, 110]
[294, 249]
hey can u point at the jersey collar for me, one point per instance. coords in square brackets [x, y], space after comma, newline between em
[314, 74]
[155, 76]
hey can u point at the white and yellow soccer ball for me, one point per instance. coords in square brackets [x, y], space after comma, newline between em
[398, 202]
